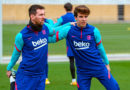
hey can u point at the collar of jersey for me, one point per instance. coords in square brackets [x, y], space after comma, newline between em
[29, 27]
[84, 28]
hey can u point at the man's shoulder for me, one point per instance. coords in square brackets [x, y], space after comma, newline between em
[65, 15]
[72, 27]
[68, 15]
[90, 26]
[24, 30]
[46, 25]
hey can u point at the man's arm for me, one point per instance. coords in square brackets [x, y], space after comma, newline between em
[59, 22]
[101, 48]
[16, 53]
[53, 30]
[61, 34]
[50, 22]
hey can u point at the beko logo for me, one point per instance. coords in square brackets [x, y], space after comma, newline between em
[41, 42]
[81, 45]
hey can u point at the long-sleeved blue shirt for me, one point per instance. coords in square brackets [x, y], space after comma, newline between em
[88, 33]
[34, 48]
[86, 45]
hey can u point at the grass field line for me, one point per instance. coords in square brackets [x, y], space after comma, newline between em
[63, 58]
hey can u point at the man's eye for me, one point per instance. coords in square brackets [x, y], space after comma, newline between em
[80, 16]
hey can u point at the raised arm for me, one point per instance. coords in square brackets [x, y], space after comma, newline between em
[53, 30]
[16, 52]
[60, 34]
[50, 22]
[59, 22]
[101, 48]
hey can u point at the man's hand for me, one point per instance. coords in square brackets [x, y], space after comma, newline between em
[8, 73]
[73, 23]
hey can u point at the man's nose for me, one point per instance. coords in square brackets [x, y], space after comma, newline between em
[43, 16]
[84, 18]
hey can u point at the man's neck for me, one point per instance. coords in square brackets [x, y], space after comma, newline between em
[80, 26]
[33, 22]
[35, 27]
[69, 11]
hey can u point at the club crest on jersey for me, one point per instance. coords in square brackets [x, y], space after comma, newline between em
[88, 37]
[43, 32]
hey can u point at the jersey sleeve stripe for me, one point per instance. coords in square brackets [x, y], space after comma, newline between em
[17, 48]
[109, 76]
[57, 37]
[77, 85]
[16, 86]
[98, 43]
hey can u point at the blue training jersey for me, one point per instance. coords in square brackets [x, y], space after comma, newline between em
[86, 46]
[34, 51]
[34, 48]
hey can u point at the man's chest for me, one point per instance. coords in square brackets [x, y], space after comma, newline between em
[35, 41]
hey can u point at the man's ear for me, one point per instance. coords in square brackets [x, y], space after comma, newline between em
[32, 16]
[75, 18]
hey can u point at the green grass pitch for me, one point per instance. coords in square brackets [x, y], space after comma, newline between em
[59, 76]
[115, 38]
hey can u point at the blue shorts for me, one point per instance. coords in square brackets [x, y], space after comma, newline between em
[104, 76]
[69, 50]
[24, 82]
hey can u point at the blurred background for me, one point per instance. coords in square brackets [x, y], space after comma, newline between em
[111, 17]
[102, 11]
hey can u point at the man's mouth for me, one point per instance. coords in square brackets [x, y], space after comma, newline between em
[83, 22]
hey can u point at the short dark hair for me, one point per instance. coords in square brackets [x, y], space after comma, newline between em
[68, 6]
[81, 9]
[33, 9]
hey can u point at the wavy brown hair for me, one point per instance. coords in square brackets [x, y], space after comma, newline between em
[81, 9]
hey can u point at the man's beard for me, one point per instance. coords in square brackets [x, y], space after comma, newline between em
[35, 27]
